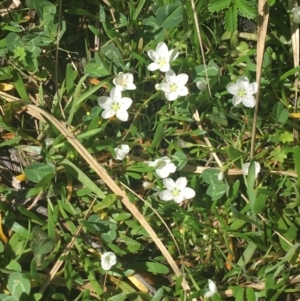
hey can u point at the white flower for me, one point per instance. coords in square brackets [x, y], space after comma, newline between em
[245, 168]
[296, 14]
[212, 289]
[115, 104]
[176, 191]
[161, 57]
[124, 81]
[174, 85]
[108, 259]
[163, 166]
[121, 151]
[243, 92]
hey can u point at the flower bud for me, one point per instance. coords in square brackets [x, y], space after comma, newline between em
[296, 14]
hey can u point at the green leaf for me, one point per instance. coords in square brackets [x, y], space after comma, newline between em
[297, 162]
[151, 267]
[247, 254]
[278, 154]
[39, 6]
[231, 19]
[37, 171]
[169, 16]
[4, 297]
[83, 178]
[96, 70]
[250, 294]
[280, 113]
[212, 70]
[217, 5]
[158, 295]
[138, 9]
[246, 9]
[159, 133]
[286, 137]
[20, 85]
[250, 187]
[41, 243]
[18, 284]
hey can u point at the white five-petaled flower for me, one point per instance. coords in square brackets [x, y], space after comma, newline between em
[212, 289]
[174, 86]
[108, 259]
[245, 168]
[121, 151]
[161, 57]
[124, 81]
[115, 104]
[242, 92]
[163, 166]
[176, 191]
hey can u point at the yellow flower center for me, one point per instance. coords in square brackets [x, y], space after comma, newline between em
[162, 61]
[176, 192]
[115, 106]
[241, 93]
[173, 87]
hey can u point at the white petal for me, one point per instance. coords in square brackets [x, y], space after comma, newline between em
[165, 159]
[162, 172]
[129, 77]
[103, 99]
[173, 54]
[181, 183]
[166, 170]
[162, 49]
[170, 76]
[169, 183]
[209, 294]
[125, 148]
[153, 67]
[150, 163]
[178, 199]
[236, 100]
[120, 154]
[106, 105]
[122, 115]
[166, 195]
[166, 67]
[243, 81]
[232, 88]
[249, 101]
[125, 103]
[107, 113]
[108, 259]
[188, 193]
[131, 86]
[153, 55]
[253, 87]
[164, 87]
[182, 79]
[245, 168]
[115, 94]
[212, 286]
[257, 168]
[171, 96]
[183, 91]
